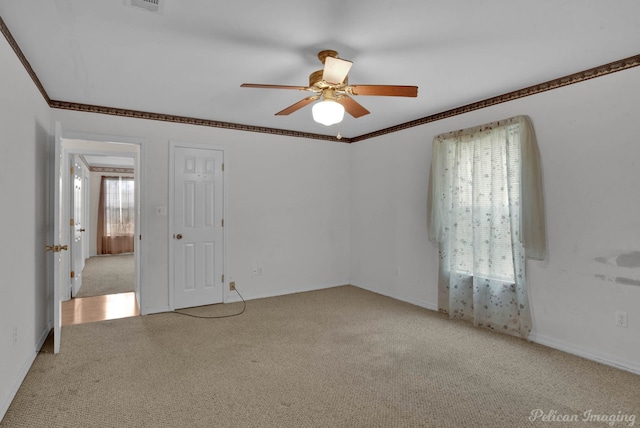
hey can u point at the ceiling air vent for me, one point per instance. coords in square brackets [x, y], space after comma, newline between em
[150, 5]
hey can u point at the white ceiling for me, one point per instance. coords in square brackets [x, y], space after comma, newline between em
[190, 59]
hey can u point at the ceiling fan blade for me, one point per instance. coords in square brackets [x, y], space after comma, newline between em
[385, 90]
[297, 106]
[335, 70]
[258, 85]
[352, 107]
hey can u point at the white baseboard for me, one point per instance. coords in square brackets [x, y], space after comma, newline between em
[421, 303]
[589, 354]
[158, 310]
[22, 373]
[231, 296]
[609, 360]
[41, 340]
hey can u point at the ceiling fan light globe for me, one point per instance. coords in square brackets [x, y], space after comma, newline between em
[328, 112]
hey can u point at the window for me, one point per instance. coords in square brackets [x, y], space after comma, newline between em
[486, 170]
[116, 215]
[485, 213]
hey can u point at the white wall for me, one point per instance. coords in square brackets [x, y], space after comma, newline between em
[590, 146]
[288, 205]
[25, 121]
[315, 214]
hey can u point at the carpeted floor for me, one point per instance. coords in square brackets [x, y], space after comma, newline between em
[341, 357]
[107, 275]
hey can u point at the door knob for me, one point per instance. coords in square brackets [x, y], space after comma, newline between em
[179, 236]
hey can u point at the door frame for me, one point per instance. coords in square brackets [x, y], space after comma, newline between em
[86, 181]
[139, 180]
[57, 235]
[226, 297]
[73, 248]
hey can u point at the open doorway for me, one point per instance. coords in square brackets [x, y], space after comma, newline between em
[103, 200]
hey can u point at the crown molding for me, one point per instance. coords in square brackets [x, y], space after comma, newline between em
[570, 79]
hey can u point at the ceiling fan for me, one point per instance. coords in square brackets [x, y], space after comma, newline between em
[332, 85]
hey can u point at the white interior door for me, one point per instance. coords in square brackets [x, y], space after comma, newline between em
[58, 249]
[77, 225]
[86, 198]
[198, 223]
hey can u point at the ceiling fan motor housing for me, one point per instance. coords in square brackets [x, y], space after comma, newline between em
[322, 55]
[315, 81]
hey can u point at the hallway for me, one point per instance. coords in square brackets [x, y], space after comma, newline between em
[99, 308]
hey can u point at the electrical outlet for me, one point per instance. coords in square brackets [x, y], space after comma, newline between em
[259, 270]
[232, 286]
[621, 319]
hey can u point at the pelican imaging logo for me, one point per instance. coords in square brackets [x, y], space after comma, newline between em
[611, 419]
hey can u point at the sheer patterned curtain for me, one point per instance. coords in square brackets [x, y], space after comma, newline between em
[116, 215]
[486, 213]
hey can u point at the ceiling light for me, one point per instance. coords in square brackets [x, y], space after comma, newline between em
[328, 112]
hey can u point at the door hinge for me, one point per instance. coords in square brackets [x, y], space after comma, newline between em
[141, 237]
[72, 222]
[222, 222]
[223, 167]
[72, 170]
[73, 274]
[222, 278]
[56, 248]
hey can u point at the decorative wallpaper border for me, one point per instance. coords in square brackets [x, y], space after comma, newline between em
[111, 169]
[136, 114]
[581, 76]
[14, 45]
[88, 108]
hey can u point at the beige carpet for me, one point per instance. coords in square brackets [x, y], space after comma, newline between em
[107, 275]
[341, 357]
